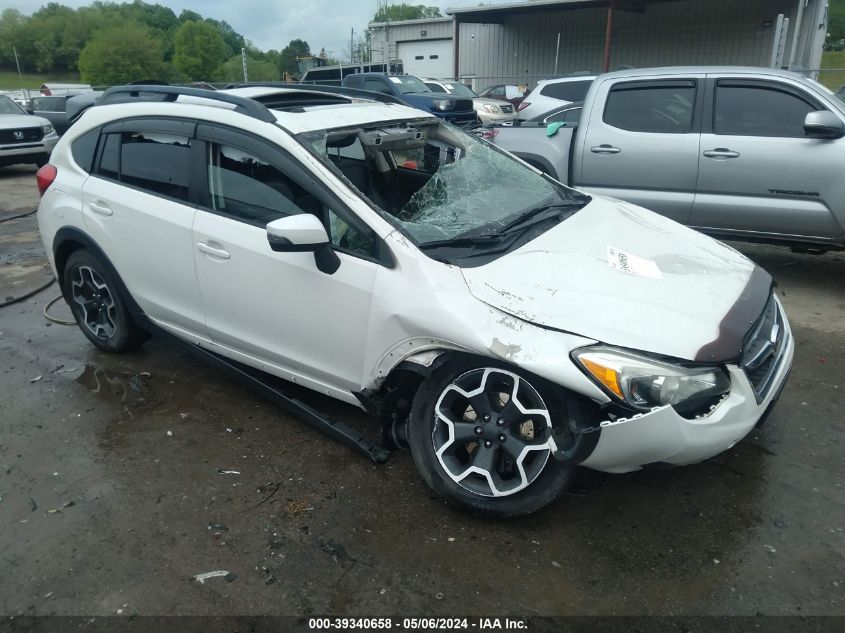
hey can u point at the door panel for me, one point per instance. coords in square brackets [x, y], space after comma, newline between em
[642, 144]
[278, 308]
[758, 173]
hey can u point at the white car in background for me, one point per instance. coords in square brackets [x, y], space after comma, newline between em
[502, 326]
[24, 138]
[553, 93]
[488, 110]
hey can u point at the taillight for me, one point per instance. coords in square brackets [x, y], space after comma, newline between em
[44, 177]
[523, 105]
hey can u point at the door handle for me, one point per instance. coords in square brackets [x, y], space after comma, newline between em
[101, 208]
[721, 152]
[605, 149]
[211, 250]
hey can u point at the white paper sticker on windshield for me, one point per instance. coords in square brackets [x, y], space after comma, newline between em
[395, 80]
[631, 264]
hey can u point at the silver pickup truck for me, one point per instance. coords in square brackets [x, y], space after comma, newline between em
[744, 153]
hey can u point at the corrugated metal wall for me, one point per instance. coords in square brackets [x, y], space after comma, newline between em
[674, 33]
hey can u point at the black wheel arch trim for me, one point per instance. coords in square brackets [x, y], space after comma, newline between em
[62, 249]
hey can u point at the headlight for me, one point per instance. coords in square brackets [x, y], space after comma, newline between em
[644, 383]
[47, 130]
[442, 105]
[491, 109]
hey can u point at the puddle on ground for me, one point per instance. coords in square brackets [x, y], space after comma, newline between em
[132, 390]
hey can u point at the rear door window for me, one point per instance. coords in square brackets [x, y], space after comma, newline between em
[747, 109]
[665, 107]
[156, 162]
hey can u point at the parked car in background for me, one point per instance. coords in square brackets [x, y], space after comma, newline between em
[415, 93]
[487, 110]
[502, 326]
[553, 93]
[743, 153]
[54, 109]
[24, 138]
[55, 89]
[506, 92]
[569, 114]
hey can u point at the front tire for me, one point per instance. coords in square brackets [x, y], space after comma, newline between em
[96, 304]
[480, 433]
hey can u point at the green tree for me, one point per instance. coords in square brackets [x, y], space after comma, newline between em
[119, 55]
[400, 12]
[14, 33]
[287, 57]
[234, 40]
[199, 50]
[257, 70]
[836, 20]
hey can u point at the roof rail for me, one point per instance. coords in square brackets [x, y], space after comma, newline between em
[323, 88]
[129, 94]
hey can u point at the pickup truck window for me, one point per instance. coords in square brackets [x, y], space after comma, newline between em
[664, 107]
[757, 110]
[376, 85]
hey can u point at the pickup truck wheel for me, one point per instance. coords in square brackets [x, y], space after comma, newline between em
[480, 435]
[96, 304]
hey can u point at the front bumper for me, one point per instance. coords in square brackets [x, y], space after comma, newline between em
[28, 152]
[488, 119]
[663, 436]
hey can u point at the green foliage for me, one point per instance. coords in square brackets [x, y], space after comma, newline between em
[199, 50]
[287, 57]
[400, 12]
[121, 54]
[257, 70]
[836, 20]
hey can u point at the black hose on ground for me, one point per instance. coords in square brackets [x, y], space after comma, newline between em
[27, 295]
[15, 217]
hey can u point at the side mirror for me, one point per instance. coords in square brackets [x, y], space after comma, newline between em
[303, 233]
[824, 124]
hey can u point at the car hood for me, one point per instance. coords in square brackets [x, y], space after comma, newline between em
[17, 121]
[625, 276]
[480, 101]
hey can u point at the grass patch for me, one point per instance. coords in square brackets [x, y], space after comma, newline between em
[9, 79]
[835, 78]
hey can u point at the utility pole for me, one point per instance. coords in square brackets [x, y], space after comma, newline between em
[20, 76]
[243, 61]
[352, 45]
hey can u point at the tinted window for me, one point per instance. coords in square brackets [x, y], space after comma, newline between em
[247, 187]
[155, 162]
[376, 85]
[110, 158]
[759, 111]
[49, 104]
[82, 149]
[567, 90]
[666, 107]
[435, 87]
[564, 116]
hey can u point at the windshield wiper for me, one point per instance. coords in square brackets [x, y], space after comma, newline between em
[477, 240]
[523, 220]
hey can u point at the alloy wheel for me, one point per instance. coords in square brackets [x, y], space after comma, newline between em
[95, 301]
[492, 432]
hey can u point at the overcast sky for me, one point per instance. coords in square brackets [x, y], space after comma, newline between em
[273, 23]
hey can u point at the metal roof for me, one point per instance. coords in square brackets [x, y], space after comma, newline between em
[498, 13]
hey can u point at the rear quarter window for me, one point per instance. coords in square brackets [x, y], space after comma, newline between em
[82, 149]
[567, 90]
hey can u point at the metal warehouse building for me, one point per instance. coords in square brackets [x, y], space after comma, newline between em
[526, 41]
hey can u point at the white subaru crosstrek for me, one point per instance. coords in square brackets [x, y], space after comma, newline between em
[504, 326]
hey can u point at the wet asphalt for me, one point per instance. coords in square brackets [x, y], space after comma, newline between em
[124, 476]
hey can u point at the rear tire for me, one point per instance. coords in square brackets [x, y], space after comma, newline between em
[495, 460]
[97, 305]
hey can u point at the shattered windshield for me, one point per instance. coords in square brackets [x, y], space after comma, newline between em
[441, 185]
